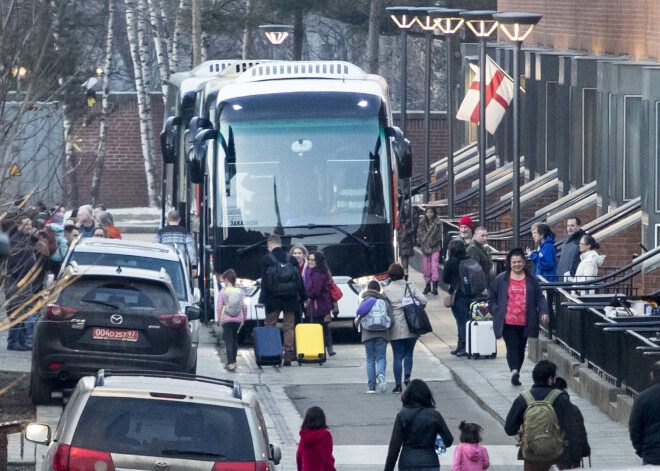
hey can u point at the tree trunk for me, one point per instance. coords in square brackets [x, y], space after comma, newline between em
[105, 106]
[159, 34]
[144, 105]
[298, 32]
[176, 37]
[247, 32]
[375, 19]
[197, 32]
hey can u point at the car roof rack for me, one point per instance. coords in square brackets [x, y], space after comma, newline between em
[105, 373]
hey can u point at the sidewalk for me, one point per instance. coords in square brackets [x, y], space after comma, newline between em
[489, 383]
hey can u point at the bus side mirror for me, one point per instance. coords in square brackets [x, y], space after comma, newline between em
[196, 163]
[402, 152]
[198, 123]
[168, 139]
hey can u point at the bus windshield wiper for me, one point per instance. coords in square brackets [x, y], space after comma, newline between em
[242, 250]
[338, 229]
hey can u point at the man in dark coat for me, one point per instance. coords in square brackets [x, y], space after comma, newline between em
[644, 422]
[544, 379]
[569, 259]
[276, 303]
[478, 252]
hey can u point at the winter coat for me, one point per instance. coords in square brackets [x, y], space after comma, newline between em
[535, 306]
[315, 451]
[367, 334]
[569, 259]
[87, 231]
[565, 416]
[221, 304]
[451, 275]
[580, 446]
[478, 252]
[470, 457]
[644, 424]
[113, 232]
[60, 241]
[273, 302]
[429, 235]
[545, 259]
[180, 238]
[318, 292]
[588, 267]
[395, 292]
[406, 238]
[414, 433]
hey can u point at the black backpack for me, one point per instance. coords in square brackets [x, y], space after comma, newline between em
[282, 278]
[473, 279]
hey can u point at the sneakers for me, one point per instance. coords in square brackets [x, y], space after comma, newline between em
[381, 382]
[515, 379]
[371, 391]
[406, 381]
[230, 367]
[461, 353]
[397, 389]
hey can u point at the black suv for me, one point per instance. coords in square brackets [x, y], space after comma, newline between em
[109, 317]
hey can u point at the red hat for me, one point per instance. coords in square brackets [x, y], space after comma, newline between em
[466, 221]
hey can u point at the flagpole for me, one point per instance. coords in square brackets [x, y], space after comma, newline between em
[427, 116]
[450, 136]
[515, 209]
[482, 131]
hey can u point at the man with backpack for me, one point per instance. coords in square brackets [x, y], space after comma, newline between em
[644, 422]
[282, 289]
[544, 420]
[374, 318]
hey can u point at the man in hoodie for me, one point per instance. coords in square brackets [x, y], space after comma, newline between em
[644, 422]
[569, 258]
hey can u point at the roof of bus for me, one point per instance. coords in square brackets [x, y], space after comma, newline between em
[190, 80]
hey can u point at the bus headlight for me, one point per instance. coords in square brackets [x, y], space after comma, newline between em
[249, 287]
[360, 284]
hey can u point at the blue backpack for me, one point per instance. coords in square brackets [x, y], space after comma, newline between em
[376, 320]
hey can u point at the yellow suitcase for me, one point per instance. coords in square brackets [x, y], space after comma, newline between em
[310, 347]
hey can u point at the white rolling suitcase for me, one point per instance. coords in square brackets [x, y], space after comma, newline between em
[480, 339]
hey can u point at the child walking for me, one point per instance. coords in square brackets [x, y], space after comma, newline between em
[469, 455]
[233, 312]
[315, 447]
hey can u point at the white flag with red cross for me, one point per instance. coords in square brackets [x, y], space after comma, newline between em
[499, 91]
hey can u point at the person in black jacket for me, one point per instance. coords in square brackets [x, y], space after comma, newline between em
[415, 430]
[544, 379]
[644, 422]
[569, 259]
[582, 444]
[277, 302]
[456, 253]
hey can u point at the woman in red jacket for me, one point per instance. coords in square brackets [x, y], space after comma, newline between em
[315, 447]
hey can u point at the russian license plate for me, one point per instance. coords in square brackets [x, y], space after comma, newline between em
[101, 333]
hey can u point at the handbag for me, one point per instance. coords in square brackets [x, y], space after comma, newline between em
[416, 317]
[448, 300]
[335, 292]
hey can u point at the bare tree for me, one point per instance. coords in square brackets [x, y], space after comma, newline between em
[375, 19]
[197, 32]
[247, 30]
[159, 32]
[176, 36]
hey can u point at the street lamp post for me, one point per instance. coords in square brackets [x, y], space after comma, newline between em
[482, 24]
[449, 22]
[276, 34]
[516, 26]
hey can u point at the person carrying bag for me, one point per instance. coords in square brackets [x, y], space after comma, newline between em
[416, 317]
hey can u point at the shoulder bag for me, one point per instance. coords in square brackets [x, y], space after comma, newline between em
[416, 317]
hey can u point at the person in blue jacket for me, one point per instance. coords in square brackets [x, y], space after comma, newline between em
[545, 256]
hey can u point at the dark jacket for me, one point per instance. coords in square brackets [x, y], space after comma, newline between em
[414, 433]
[545, 259]
[315, 451]
[581, 443]
[451, 276]
[406, 237]
[644, 424]
[570, 255]
[290, 303]
[318, 293]
[536, 304]
[478, 252]
[565, 416]
[429, 235]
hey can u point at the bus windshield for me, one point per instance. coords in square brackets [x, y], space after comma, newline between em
[295, 164]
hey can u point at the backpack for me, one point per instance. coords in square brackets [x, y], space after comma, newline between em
[233, 302]
[282, 278]
[540, 438]
[473, 279]
[376, 320]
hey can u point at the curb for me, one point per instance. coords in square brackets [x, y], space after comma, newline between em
[467, 390]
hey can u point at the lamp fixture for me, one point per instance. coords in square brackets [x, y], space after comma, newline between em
[517, 25]
[403, 17]
[480, 22]
[276, 34]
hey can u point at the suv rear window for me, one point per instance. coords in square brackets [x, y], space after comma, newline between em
[128, 294]
[154, 427]
[172, 267]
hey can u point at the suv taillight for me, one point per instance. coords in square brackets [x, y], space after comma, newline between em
[70, 458]
[173, 320]
[55, 312]
[259, 466]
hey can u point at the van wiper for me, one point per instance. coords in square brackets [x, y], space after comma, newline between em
[192, 452]
[242, 250]
[103, 303]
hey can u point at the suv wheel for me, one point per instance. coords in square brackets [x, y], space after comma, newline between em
[40, 389]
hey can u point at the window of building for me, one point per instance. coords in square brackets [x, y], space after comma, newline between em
[589, 134]
[552, 130]
[632, 126]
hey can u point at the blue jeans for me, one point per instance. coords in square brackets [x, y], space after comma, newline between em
[403, 353]
[376, 349]
[29, 329]
[461, 312]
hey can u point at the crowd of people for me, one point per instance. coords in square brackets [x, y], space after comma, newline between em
[40, 238]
